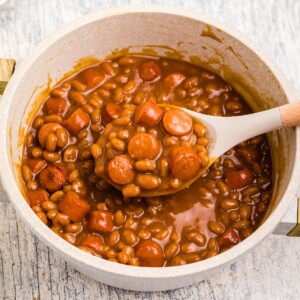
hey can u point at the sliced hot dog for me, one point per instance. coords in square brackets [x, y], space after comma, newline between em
[177, 122]
[237, 179]
[120, 169]
[94, 242]
[229, 238]
[56, 106]
[149, 71]
[77, 121]
[150, 254]
[37, 197]
[100, 220]
[111, 111]
[74, 206]
[148, 114]
[144, 146]
[184, 163]
[91, 77]
[36, 164]
[53, 177]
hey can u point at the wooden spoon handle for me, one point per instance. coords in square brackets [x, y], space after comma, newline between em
[7, 67]
[290, 114]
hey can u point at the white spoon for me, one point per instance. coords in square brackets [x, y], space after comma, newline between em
[226, 132]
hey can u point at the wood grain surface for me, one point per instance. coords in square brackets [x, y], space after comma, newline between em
[29, 270]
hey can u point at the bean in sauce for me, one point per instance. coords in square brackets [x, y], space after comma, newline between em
[61, 175]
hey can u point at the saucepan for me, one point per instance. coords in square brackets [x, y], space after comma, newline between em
[167, 32]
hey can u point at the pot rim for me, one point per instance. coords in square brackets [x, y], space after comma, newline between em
[78, 256]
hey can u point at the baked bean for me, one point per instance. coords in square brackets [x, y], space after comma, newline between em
[76, 97]
[97, 128]
[62, 219]
[69, 237]
[149, 254]
[113, 238]
[261, 207]
[129, 237]
[78, 86]
[131, 190]
[42, 217]
[118, 144]
[53, 119]
[245, 232]
[171, 250]
[198, 238]
[245, 211]
[163, 167]
[234, 215]
[96, 115]
[144, 146]
[216, 227]
[73, 228]
[144, 234]
[51, 156]
[241, 224]
[37, 152]
[118, 95]
[96, 151]
[229, 203]
[107, 68]
[51, 142]
[251, 190]
[173, 80]
[119, 218]
[147, 181]
[38, 122]
[122, 121]
[48, 205]
[234, 107]
[184, 259]
[32, 185]
[184, 163]
[200, 130]
[203, 104]
[162, 234]
[26, 173]
[51, 214]
[175, 183]
[70, 154]
[213, 244]
[130, 221]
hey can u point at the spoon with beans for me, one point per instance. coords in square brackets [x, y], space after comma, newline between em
[154, 150]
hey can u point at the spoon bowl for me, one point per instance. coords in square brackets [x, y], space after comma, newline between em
[223, 133]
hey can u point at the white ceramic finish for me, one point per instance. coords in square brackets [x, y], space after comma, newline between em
[247, 66]
[241, 128]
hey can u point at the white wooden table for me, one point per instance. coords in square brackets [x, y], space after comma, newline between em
[29, 270]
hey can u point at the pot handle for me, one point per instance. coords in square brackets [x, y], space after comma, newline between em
[7, 67]
[290, 224]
